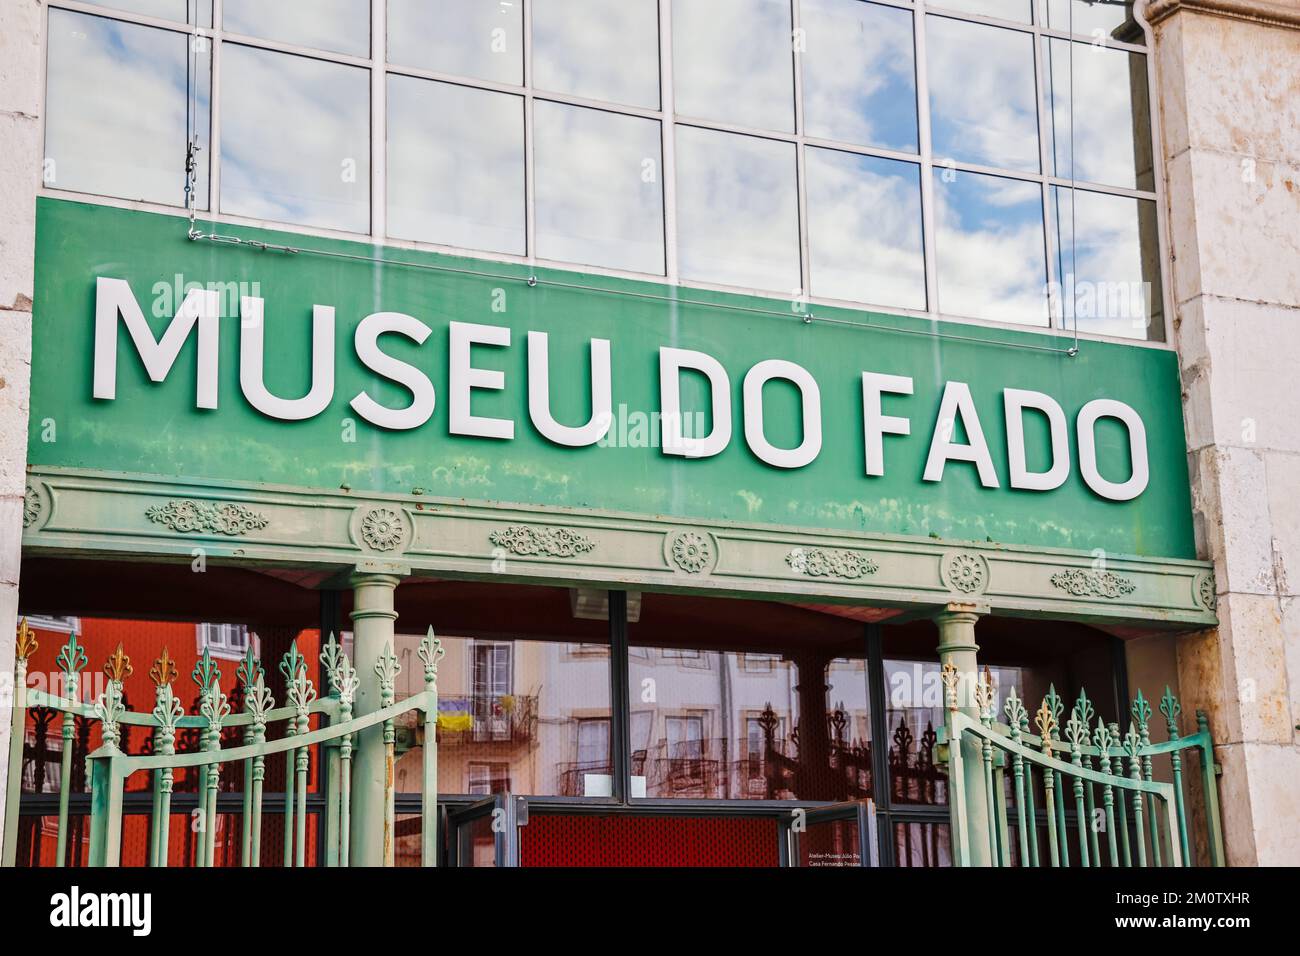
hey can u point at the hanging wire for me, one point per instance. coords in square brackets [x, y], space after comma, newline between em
[192, 146]
[1074, 272]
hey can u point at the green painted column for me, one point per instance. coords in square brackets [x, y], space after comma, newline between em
[957, 646]
[373, 615]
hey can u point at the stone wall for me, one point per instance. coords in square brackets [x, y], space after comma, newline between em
[1228, 90]
[20, 170]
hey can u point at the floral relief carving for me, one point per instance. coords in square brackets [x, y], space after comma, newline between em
[691, 551]
[383, 529]
[185, 517]
[1084, 583]
[830, 563]
[965, 572]
[554, 542]
[1207, 590]
[31, 507]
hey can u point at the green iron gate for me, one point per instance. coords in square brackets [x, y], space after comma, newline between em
[1101, 780]
[108, 766]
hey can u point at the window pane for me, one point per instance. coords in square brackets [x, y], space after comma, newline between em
[733, 61]
[989, 234]
[302, 155]
[983, 104]
[1017, 10]
[478, 38]
[737, 210]
[455, 165]
[116, 109]
[341, 26]
[859, 75]
[864, 229]
[182, 11]
[718, 728]
[1113, 19]
[1112, 117]
[597, 49]
[599, 196]
[1115, 264]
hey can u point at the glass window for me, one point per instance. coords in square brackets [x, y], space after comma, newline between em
[1017, 10]
[117, 97]
[990, 247]
[733, 61]
[517, 709]
[859, 74]
[597, 49]
[737, 210]
[182, 11]
[864, 229]
[302, 155]
[1111, 120]
[1108, 263]
[478, 38]
[797, 729]
[599, 195]
[1089, 17]
[340, 26]
[983, 104]
[455, 165]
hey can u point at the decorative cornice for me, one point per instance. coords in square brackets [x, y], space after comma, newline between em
[188, 516]
[1256, 11]
[541, 540]
[1082, 582]
[830, 563]
[105, 515]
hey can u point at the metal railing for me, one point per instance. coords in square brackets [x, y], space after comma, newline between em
[109, 766]
[1095, 782]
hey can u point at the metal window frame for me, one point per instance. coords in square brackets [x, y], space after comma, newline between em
[924, 159]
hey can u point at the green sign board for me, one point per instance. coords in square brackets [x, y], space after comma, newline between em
[155, 355]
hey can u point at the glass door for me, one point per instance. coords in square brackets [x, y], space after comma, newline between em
[843, 834]
[486, 833]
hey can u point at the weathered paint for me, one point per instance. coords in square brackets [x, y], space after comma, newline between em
[155, 429]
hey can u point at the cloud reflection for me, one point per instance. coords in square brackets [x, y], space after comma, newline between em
[301, 155]
[864, 223]
[599, 193]
[733, 62]
[455, 165]
[597, 49]
[478, 38]
[116, 107]
[737, 210]
[990, 245]
[341, 26]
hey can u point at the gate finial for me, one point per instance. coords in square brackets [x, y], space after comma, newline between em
[118, 666]
[26, 642]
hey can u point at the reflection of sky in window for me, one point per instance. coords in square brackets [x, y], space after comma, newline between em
[983, 100]
[733, 61]
[478, 38]
[302, 153]
[179, 10]
[599, 194]
[989, 238]
[1089, 16]
[1107, 84]
[1109, 294]
[455, 165]
[597, 49]
[864, 226]
[341, 26]
[1017, 10]
[116, 108]
[737, 210]
[859, 79]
